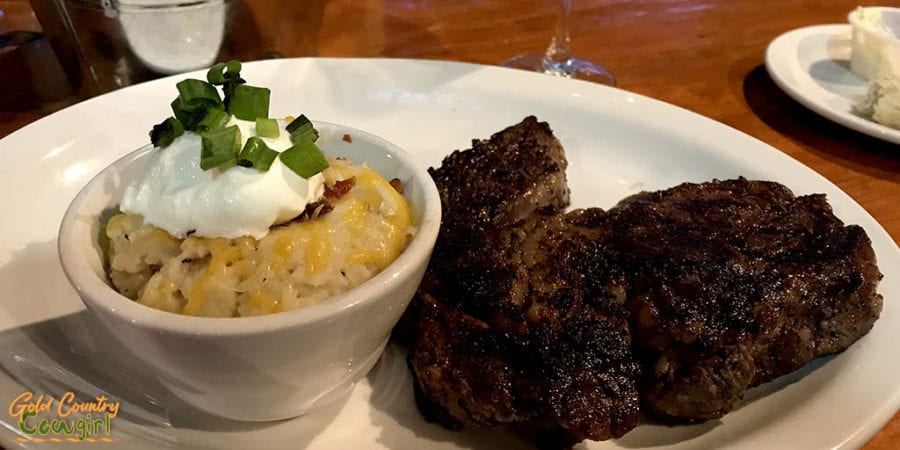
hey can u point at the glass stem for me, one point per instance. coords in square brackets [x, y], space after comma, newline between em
[558, 53]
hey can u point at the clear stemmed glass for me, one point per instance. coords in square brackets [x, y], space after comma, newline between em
[558, 59]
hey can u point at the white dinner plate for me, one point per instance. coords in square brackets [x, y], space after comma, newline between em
[618, 143]
[812, 65]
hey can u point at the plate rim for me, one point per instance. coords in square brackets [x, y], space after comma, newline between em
[780, 58]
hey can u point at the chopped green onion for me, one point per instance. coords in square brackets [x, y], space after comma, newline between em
[304, 158]
[189, 118]
[199, 107]
[196, 94]
[249, 102]
[213, 120]
[256, 154]
[221, 73]
[216, 74]
[267, 128]
[234, 67]
[219, 147]
[302, 129]
[165, 132]
[229, 87]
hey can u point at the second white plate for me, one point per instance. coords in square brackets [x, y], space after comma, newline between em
[812, 65]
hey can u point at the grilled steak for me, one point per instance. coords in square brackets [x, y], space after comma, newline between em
[503, 180]
[683, 298]
[734, 283]
[506, 327]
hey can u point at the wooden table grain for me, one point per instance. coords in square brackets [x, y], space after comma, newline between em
[703, 55]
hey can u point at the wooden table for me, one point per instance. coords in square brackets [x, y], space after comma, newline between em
[703, 55]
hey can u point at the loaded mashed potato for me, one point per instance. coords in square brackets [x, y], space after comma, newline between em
[226, 232]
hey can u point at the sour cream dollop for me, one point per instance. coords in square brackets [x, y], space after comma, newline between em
[175, 194]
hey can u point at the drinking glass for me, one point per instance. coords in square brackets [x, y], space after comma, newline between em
[558, 59]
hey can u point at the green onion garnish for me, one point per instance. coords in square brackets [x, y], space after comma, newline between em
[302, 129]
[219, 147]
[199, 108]
[213, 120]
[249, 102]
[165, 132]
[221, 73]
[196, 94]
[256, 154]
[189, 118]
[304, 158]
[227, 75]
[267, 128]
[229, 87]
[216, 74]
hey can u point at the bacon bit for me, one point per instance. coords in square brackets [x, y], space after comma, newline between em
[317, 209]
[348, 139]
[312, 211]
[397, 185]
[340, 188]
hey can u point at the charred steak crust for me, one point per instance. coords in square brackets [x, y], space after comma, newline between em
[503, 180]
[506, 327]
[677, 300]
[734, 283]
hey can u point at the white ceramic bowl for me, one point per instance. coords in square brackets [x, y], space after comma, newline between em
[266, 367]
